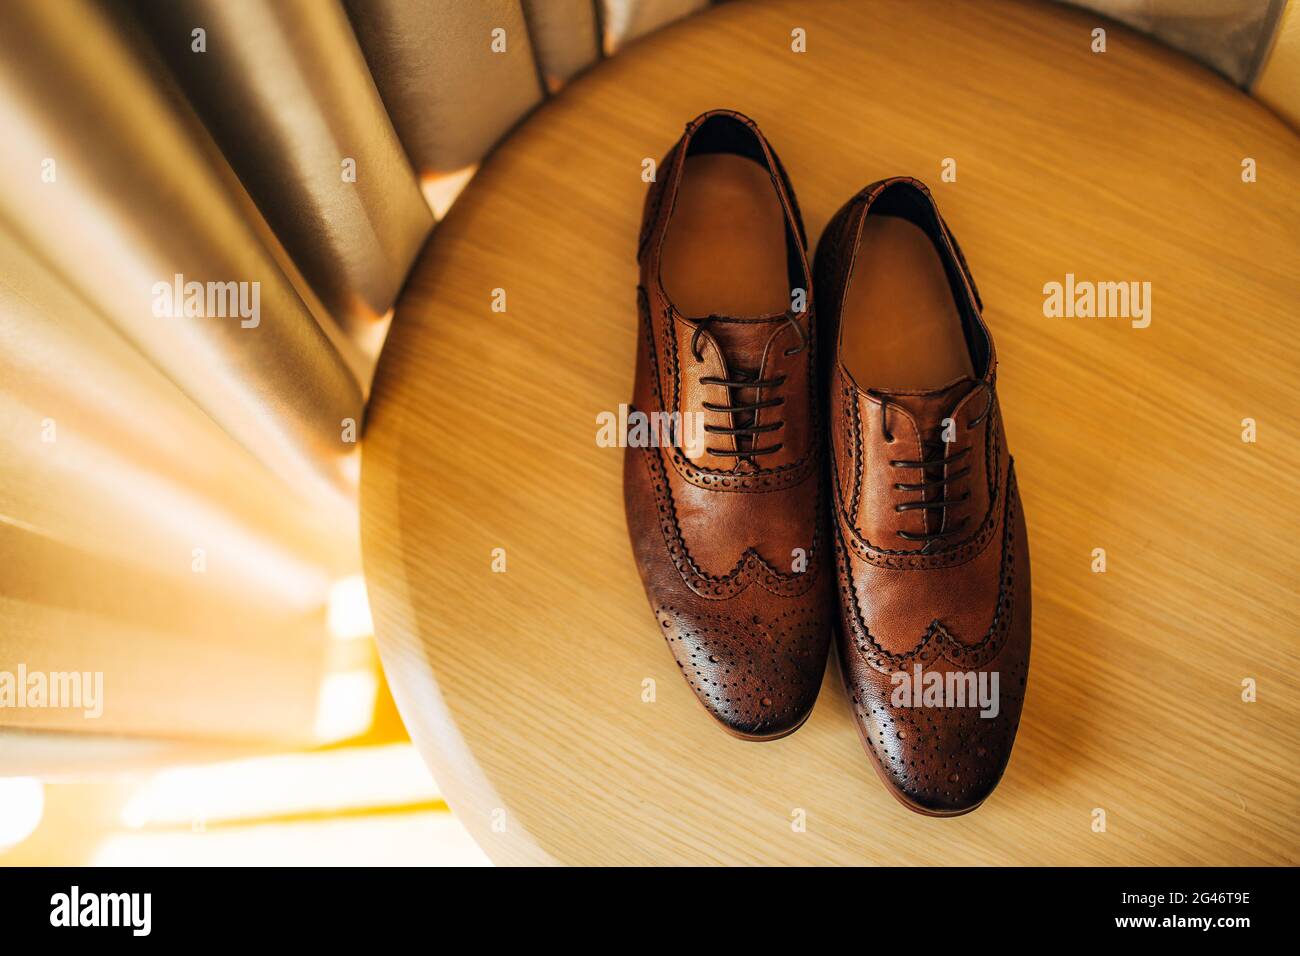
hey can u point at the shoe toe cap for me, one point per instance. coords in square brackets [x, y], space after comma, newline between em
[757, 673]
[942, 768]
[940, 761]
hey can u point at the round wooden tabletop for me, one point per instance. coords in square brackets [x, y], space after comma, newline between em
[542, 695]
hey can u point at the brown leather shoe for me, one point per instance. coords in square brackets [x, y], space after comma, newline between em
[932, 557]
[728, 531]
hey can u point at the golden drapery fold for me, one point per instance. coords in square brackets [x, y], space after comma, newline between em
[565, 36]
[122, 191]
[286, 93]
[453, 76]
[177, 486]
[210, 207]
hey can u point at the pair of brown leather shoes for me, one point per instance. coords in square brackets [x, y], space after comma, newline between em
[848, 466]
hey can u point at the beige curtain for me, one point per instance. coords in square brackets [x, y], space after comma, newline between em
[1230, 36]
[178, 491]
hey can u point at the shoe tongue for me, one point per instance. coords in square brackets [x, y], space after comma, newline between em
[929, 408]
[743, 341]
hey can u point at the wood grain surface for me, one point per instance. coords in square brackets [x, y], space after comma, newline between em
[524, 689]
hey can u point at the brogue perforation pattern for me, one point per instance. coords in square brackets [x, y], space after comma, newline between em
[940, 759]
[753, 673]
[751, 567]
[937, 641]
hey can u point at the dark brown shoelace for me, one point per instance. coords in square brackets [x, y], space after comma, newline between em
[740, 380]
[934, 465]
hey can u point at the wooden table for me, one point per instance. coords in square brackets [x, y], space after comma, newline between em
[525, 690]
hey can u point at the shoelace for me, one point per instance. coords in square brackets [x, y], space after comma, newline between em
[740, 380]
[933, 458]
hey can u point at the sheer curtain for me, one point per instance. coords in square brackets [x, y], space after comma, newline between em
[178, 474]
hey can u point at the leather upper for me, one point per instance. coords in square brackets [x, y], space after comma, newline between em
[959, 604]
[732, 549]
